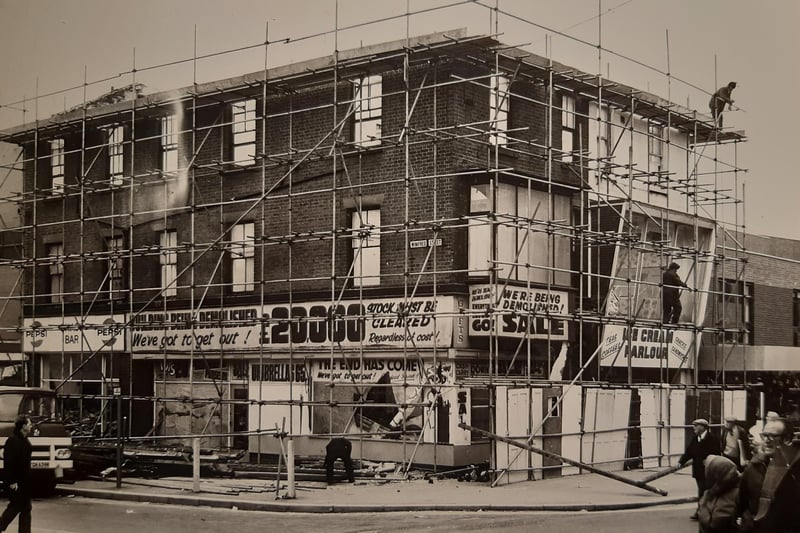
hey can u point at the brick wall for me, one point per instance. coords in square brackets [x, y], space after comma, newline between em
[772, 316]
[297, 120]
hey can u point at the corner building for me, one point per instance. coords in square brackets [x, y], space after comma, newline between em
[383, 244]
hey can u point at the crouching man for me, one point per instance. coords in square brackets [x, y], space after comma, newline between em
[338, 448]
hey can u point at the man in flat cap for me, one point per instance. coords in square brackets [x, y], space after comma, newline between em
[700, 446]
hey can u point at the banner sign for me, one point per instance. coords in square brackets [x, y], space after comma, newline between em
[388, 322]
[396, 370]
[646, 347]
[67, 334]
[519, 312]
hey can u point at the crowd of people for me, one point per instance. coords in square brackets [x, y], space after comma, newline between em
[747, 481]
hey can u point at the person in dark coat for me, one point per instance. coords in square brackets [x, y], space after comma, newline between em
[701, 445]
[17, 469]
[718, 101]
[769, 493]
[671, 294]
[716, 512]
[338, 448]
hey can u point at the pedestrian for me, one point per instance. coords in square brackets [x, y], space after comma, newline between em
[754, 434]
[716, 512]
[718, 101]
[671, 294]
[769, 493]
[17, 469]
[734, 443]
[338, 448]
[701, 445]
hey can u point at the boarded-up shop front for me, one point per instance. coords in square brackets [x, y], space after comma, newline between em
[611, 427]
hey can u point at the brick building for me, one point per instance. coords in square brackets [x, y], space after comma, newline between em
[760, 311]
[383, 243]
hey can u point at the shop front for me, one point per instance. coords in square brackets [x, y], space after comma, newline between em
[85, 359]
[380, 371]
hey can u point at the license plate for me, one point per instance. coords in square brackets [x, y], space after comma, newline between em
[40, 464]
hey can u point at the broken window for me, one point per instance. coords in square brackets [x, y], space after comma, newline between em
[366, 247]
[244, 131]
[499, 99]
[55, 254]
[169, 144]
[242, 250]
[57, 166]
[368, 101]
[115, 246]
[567, 127]
[115, 155]
[169, 263]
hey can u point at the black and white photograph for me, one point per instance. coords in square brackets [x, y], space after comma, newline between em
[379, 266]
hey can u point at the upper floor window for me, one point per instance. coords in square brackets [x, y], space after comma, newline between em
[55, 254]
[365, 225]
[169, 262]
[603, 134]
[499, 100]
[57, 165]
[244, 131]
[243, 257]
[509, 231]
[602, 139]
[567, 127]
[735, 311]
[368, 101]
[655, 148]
[115, 155]
[115, 246]
[169, 144]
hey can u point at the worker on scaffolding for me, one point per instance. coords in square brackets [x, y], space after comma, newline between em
[718, 101]
[671, 294]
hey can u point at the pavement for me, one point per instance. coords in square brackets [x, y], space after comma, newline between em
[584, 492]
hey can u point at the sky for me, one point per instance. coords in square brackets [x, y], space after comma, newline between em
[50, 46]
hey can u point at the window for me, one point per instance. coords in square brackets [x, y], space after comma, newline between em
[567, 127]
[115, 156]
[498, 109]
[368, 101]
[735, 311]
[243, 257]
[169, 263]
[366, 247]
[244, 132]
[655, 148]
[57, 166]
[518, 240]
[603, 136]
[169, 144]
[796, 317]
[480, 230]
[55, 253]
[115, 246]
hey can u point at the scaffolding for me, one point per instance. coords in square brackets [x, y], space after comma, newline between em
[209, 253]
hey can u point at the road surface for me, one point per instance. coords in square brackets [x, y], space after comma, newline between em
[83, 515]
